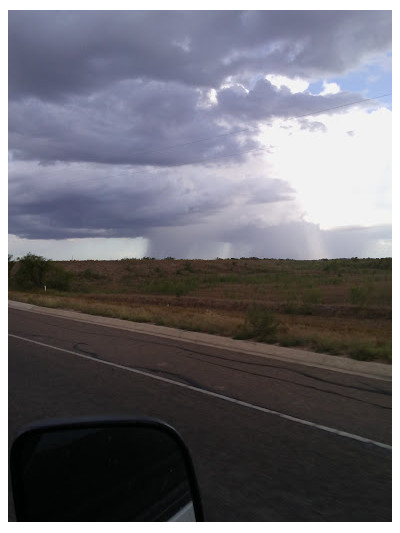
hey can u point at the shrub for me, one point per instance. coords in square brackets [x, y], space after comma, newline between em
[57, 278]
[188, 267]
[11, 264]
[31, 271]
[260, 324]
[35, 271]
[312, 296]
[368, 352]
[177, 288]
[90, 275]
[360, 296]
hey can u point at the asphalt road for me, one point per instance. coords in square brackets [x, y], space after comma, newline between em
[270, 440]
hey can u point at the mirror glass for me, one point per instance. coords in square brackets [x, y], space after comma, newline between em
[120, 472]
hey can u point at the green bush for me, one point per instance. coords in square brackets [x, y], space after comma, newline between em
[312, 296]
[90, 275]
[177, 288]
[188, 267]
[11, 264]
[260, 324]
[57, 278]
[360, 296]
[35, 272]
[367, 352]
[31, 272]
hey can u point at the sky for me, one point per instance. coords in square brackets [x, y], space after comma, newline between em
[200, 134]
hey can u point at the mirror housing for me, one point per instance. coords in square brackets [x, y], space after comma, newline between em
[103, 471]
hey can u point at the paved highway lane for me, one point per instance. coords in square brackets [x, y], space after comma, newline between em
[265, 435]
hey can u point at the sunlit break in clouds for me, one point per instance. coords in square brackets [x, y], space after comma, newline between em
[200, 134]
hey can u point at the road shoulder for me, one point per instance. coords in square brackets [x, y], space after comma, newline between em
[329, 362]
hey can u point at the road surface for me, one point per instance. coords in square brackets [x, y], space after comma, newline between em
[271, 440]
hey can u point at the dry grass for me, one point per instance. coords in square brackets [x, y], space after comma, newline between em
[192, 319]
[338, 307]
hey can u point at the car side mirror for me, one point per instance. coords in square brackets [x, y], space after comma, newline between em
[102, 471]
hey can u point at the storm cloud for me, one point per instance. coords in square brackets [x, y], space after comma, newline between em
[58, 53]
[116, 205]
[148, 124]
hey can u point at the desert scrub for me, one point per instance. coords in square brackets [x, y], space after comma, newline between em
[36, 272]
[90, 275]
[363, 351]
[340, 306]
[260, 324]
[177, 288]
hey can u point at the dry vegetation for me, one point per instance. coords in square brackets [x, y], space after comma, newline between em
[341, 306]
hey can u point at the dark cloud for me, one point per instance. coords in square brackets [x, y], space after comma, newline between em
[135, 123]
[124, 87]
[121, 204]
[152, 123]
[55, 53]
[107, 107]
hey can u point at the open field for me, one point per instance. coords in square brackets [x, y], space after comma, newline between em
[340, 306]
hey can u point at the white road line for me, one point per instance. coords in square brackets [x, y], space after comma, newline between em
[213, 394]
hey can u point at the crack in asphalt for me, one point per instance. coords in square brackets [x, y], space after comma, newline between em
[298, 384]
[366, 388]
[78, 346]
[372, 389]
